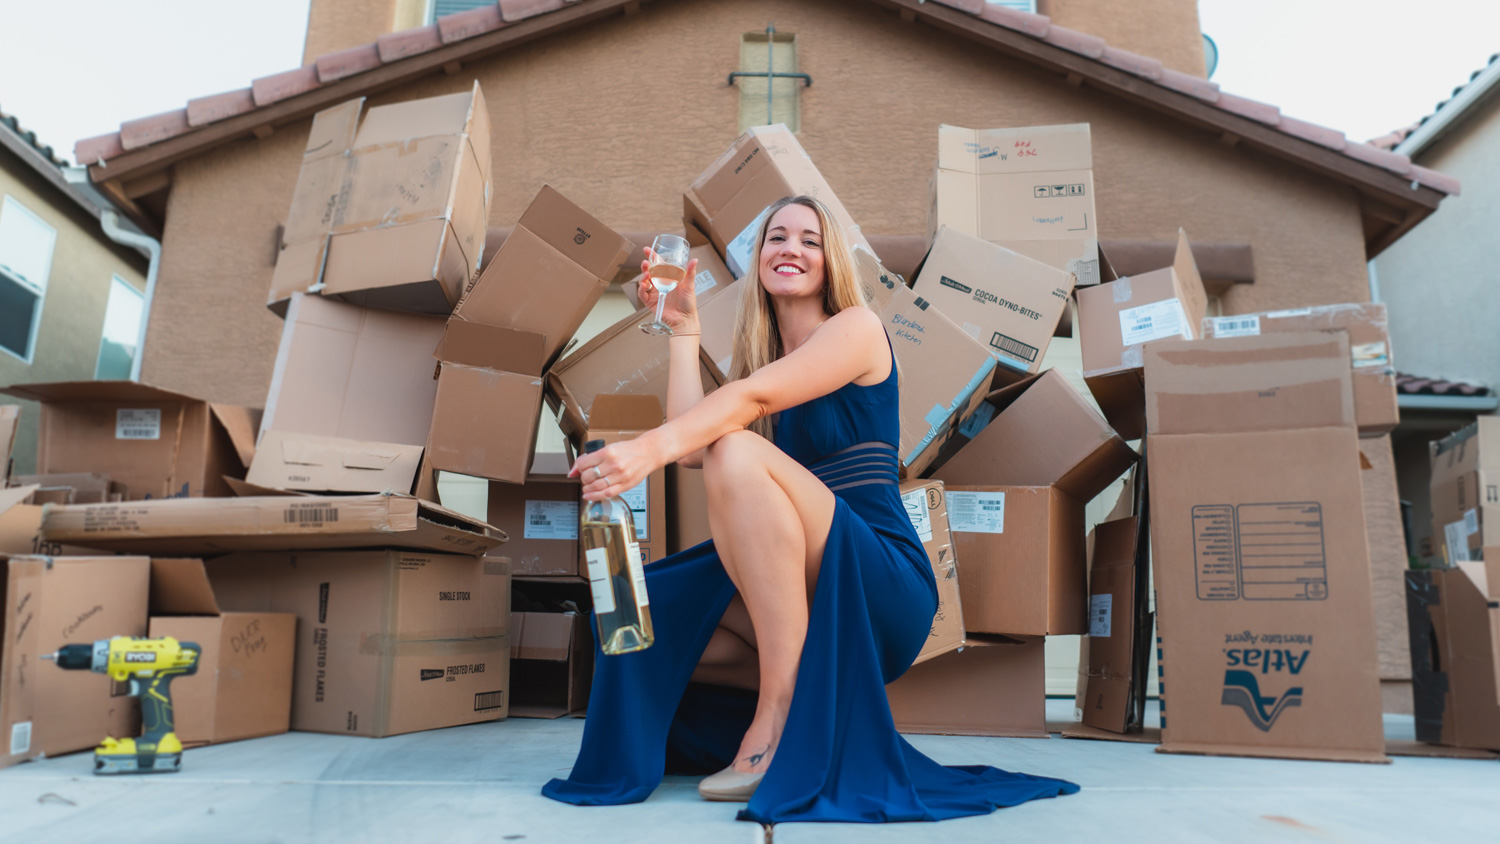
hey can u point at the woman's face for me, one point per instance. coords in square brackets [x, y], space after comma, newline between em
[791, 261]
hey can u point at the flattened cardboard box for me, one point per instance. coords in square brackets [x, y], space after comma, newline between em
[926, 504]
[351, 398]
[158, 443]
[1265, 612]
[540, 520]
[389, 641]
[243, 687]
[1009, 303]
[1369, 351]
[1465, 490]
[1021, 567]
[1082, 454]
[1028, 189]
[551, 662]
[618, 417]
[185, 527]
[988, 688]
[390, 212]
[1454, 625]
[54, 601]
[1112, 693]
[1119, 319]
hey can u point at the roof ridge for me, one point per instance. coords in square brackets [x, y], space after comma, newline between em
[29, 136]
[449, 29]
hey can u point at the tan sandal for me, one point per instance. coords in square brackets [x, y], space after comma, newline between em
[729, 786]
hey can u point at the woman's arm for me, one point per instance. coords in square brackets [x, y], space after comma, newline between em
[850, 346]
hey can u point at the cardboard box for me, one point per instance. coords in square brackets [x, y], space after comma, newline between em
[50, 602]
[1465, 490]
[1113, 697]
[763, 165]
[489, 401]
[943, 375]
[1120, 318]
[187, 527]
[618, 417]
[988, 688]
[712, 277]
[716, 319]
[1021, 564]
[1009, 303]
[75, 487]
[1454, 625]
[21, 527]
[390, 211]
[158, 443]
[548, 274]
[926, 504]
[389, 641]
[1082, 454]
[552, 663]
[687, 509]
[1029, 189]
[351, 399]
[1369, 351]
[540, 520]
[10, 422]
[243, 687]
[620, 359]
[1265, 611]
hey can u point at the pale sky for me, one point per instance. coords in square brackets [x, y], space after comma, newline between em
[1362, 66]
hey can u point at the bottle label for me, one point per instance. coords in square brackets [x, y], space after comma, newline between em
[637, 573]
[637, 500]
[604, 595]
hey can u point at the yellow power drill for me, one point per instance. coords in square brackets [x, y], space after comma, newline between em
[157, 661]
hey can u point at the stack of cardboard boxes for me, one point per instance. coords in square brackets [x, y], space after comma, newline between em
[309, 539]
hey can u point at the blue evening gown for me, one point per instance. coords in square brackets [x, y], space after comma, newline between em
[840, 757]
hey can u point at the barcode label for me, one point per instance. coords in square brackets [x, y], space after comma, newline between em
[1369, 354]
[1290, 312]
[636, 499]
[1012, 346]
[599, 583]
[976, 512]
[1154, 321]
[1099, 615]
[551, 520]
[1471, 522]
[20, 738]
[484, 701]
[138, 424]
[1457, 537]
[704, 280]
[309, 516]
[915, 503]
[1237, 326]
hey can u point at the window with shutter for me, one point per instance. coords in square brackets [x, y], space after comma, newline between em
[762, 52]
[26, 245]
[439, 8]
[122, 328]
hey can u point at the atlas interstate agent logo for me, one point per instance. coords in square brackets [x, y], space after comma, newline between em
[1262, 680]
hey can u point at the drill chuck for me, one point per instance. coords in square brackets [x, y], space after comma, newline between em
[90, 657]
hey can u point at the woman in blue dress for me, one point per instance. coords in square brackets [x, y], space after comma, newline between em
[775, 639]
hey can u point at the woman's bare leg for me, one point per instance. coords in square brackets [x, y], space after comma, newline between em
[770, 519]
[731, 658]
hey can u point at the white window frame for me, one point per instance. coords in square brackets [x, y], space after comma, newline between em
[11, 205]
[141, 297]
[1018, 5]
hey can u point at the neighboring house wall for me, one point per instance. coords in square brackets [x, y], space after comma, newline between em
[569, 110]
[84, 264]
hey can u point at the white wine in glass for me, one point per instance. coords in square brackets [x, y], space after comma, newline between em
[667, 269]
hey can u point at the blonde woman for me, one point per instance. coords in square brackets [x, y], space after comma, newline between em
[775, 639]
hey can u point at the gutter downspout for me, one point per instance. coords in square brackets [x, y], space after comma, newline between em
[111, 222]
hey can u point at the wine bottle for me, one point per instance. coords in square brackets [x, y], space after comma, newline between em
[616, 576]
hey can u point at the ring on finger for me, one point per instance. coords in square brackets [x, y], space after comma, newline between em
[605, 478]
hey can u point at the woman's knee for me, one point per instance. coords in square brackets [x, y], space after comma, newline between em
[731, 455]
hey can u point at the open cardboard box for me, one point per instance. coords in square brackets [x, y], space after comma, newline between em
[389, 210]
[243, 687]
[990, 687]
[540, 520]
[552, 663]
[489, 400]
[157, 443]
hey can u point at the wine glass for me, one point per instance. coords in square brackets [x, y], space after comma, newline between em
[668, 267]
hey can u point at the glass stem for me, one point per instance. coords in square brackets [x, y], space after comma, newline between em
[661, 301]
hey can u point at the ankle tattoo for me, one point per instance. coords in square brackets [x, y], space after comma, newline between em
[756, 758]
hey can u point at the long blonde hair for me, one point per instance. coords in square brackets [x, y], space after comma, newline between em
[757, 340]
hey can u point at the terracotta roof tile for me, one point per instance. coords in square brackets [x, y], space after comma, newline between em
[335, 66]
[517, 10]
[1034, 25]
[1253, 109]
[1320, 135]
[206, 110]
[145, 131]
[1392, 139]
[1132, 62]
[1435, 180]
[280, 86]
[1417, 385]
[1187, 83]
[1075, 41]
[98, 148]
[1399, 164]
[972, 7]
[409, 42]
[467, 24]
